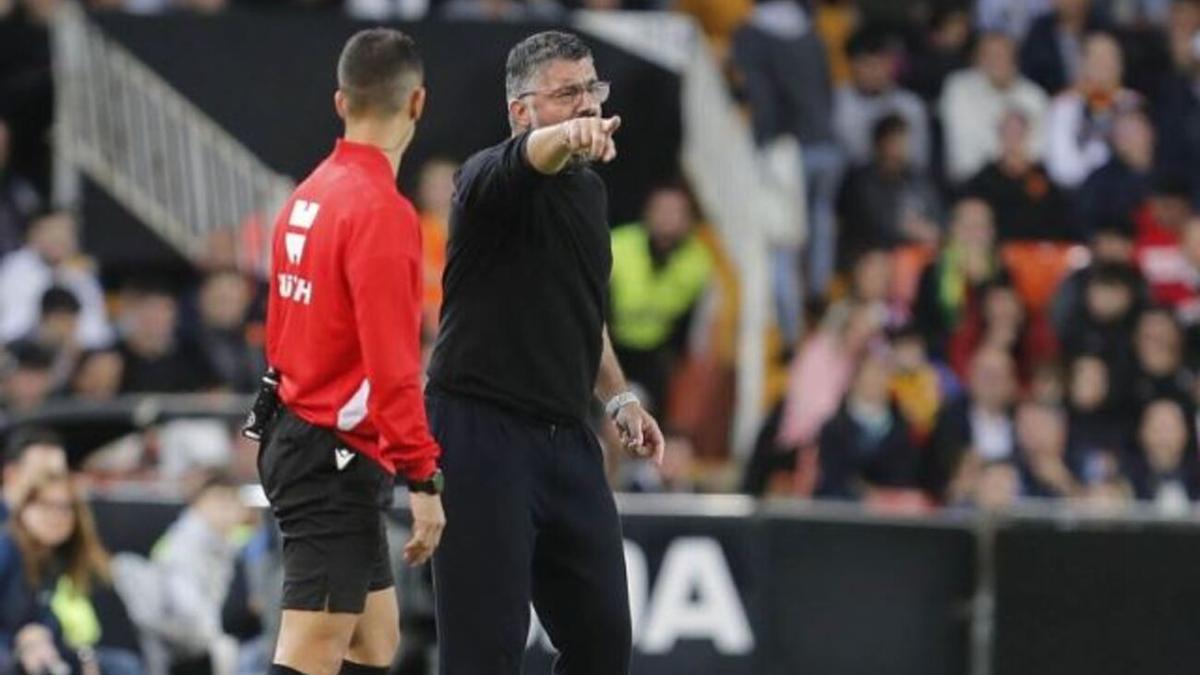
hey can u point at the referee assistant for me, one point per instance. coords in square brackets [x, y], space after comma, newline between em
[343, 334]
[523, 350]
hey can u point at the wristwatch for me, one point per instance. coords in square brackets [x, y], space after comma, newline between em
[430, 486]
[619, 401]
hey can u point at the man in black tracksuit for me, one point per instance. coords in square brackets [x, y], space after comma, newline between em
[522, 351]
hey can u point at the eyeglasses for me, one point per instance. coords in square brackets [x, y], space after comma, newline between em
[570, 94]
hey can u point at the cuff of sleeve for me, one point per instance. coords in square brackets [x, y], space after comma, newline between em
[420, 469]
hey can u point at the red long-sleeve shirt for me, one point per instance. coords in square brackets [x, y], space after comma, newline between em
[344, 315]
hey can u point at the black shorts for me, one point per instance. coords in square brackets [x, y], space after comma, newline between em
[330, 503]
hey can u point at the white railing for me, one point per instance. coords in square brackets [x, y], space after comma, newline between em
[124, 127]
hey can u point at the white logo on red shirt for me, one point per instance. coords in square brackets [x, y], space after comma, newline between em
[295, 246]
[303, 214]
[292, 287]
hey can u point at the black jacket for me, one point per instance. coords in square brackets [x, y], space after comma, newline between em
[850, 455]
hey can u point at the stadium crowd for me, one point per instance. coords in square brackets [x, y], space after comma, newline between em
[1000, 229]
[1001, 279]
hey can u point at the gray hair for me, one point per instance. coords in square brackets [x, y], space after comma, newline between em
[526, 59]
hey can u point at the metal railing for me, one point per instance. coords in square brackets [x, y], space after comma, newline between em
[124, 127]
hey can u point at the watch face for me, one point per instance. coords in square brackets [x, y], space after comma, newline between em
[438, 480]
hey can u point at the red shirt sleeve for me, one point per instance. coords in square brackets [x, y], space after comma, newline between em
[383, 271]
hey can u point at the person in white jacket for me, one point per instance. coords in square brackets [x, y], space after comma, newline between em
[1081, 120]
[51, 257]
[975, 101]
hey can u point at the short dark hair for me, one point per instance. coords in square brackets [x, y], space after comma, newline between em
[58, 299]
[1169, 183]
[24, 438]
[149, 285]
[377, 70]
[28, 355]
[870, 40]
[535, 51]
[1113, 274]
[1161, 311]
[888, 126]
[1117, 226]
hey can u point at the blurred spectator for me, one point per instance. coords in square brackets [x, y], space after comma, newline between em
[867, 444]
[772, 467]
[1158, 348]
[224, 335]
[779, 38]
[1098, 430]
[255, 590]
[872, 282]
[435, 190]
[30, 452]
[1177, 105]
[660, 271]
[1160, 225]
[381, 10]
[1079, 126]
[1187, 301]
[872, 95]
[992, 487]
[941, 49]
[1102, 322]
[29, 378]
[978, 424]
[180, 591]
[19, 201]
[919, 386]
[950, 283]
[1042, 439]
[889, 201]
[1108, 244]
[51, 257]
[1046, 385]
[501, 10]
[51, 559]
[1116, 190]
[1026, 204]
[99, 375]
[1182, 24]
[999, 320]
[56, 333]
[1187, 310]
[27, 87]
[155, 357]
[977, 101]
[1163, 466]
[821, 372]
[162, 6]
[1011, 17]
[1052, 53]
[1136, 13]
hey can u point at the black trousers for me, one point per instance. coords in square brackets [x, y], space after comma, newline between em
[530, 517]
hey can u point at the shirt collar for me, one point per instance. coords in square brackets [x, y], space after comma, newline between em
[365, 155]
